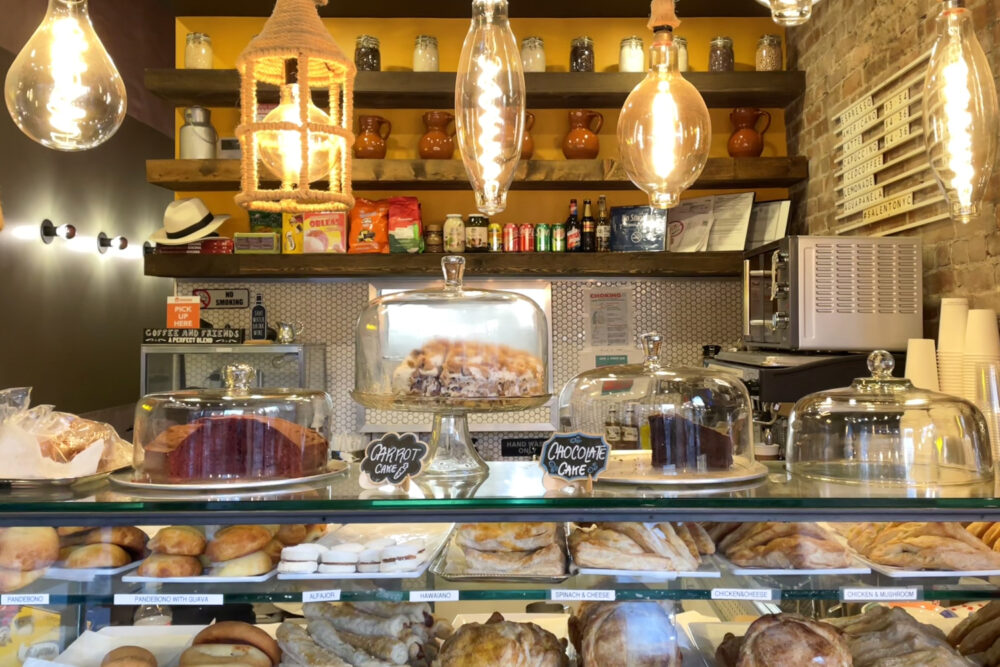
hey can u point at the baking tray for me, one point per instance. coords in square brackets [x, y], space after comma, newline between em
[62, 481]
[333, 468]
[88, 573]
[440, 566]
[200, 579]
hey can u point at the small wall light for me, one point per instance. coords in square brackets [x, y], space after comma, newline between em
[105, 242]
[49, 231]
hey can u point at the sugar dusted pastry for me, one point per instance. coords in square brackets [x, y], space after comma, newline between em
[463, 369]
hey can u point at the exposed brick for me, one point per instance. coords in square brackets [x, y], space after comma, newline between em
[960, 252]
[977, 249]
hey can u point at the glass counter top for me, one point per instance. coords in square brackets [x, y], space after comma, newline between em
[513, 489]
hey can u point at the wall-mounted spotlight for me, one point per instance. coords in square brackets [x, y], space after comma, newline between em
[105, 243]
[49, 230]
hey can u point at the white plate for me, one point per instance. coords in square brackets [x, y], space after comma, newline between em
[41, 483]
[860, 567]
[433, 534]
[900, 573]
[88, 573]
[634, 468]
[237, 488]
[202, 579]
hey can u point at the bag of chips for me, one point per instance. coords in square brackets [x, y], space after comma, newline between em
[369, 227]
[406, 232]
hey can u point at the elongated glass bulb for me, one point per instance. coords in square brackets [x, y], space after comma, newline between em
[489, 105]
[791, 12]
[281, 150]
[960, 120]
[63, 90]
[664, 130]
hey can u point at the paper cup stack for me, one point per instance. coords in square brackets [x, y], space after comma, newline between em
[921, 364]
[982, 346]
[987, 376]
[951, 345]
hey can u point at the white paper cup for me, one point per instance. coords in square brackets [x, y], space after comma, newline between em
[921, 363]
[982, 337]
[951, 330]
[950, 373]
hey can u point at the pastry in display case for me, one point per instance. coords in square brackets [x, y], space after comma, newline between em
[452, 351]
[884, 431]
[664, 425]
[236, 435]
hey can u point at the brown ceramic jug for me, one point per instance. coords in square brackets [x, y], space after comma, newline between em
[747, 140]
[528, 143]
[370, 142]
[581, 143]
[437, 143]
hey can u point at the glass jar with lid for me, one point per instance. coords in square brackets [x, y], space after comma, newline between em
[682, 53]
[367, 55]
[239, 434]
[452, 350]
[454, 233]
[883, 431]
[769, 57]
[425, 54]
[477, 233]
[720, 55]
[198, 51]
[694, 425]
[631, 56]
[581, 54]
[533, 54]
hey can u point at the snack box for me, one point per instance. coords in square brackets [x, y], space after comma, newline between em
[256, 243]
[213, 246]
[265, 221]
[638, 229]
[291, 233]
[324, 233]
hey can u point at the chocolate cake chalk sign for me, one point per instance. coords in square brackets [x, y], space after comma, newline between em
[575, 456]
[393, 459]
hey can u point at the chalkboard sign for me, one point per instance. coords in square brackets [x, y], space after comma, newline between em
[573, 456]
[192, 336]
[394, 458]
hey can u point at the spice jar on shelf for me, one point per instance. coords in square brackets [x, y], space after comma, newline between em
[533, 54]
[720, 55]
[682, 53]
[367, 56]
[198, 51]
[434, 237]
[769, 58]
[581, 55]
[425, 54]
[631, 56]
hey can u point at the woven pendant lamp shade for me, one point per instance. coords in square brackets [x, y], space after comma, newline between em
[295, 33]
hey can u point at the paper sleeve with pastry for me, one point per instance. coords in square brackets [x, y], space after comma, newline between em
[500, 642]
[799, 546]
[631, 546]
[466, 369]
[624, 634]
[923, 546]
[550, 560]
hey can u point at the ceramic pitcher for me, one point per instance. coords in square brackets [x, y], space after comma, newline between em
[438, 143]
[528, 143]
[370, 143]
[581, 143]
[747, 140]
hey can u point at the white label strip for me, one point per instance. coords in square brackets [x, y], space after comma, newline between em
[433, 596]
[864, 184]
[869, 167]
[857, 128]
[848, 213]
[179, 600]
[910, 593]
[566, 595]
[23, 599]
[853, 113]
[881, 134]
[321, 596]
[896, 101]
[888, 209]
[918, 152]
[751, 594]
[864, 223]
[852, 206]
[859, 156]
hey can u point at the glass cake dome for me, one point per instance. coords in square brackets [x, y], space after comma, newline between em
[232, 435]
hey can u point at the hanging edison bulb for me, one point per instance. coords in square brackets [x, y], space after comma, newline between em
[960, 112]
[63, 90]
[489, 104]
[790, 13]
[281, 150]
[664, 129]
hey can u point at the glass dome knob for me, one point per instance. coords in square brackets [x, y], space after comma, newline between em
[239, 377]
[454, 271]
[651, 345]
[881, 364]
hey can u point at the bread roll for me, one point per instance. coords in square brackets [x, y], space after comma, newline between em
[14, 580]
[237, 632]
[178, 541]
[273, 549]
[251, 565]
[291, 534]
[23, 548]
[129, 656]
[236, 541]
[165, 565]
[231, 655]
[65, 531]
[314, 531]
[129, 538]
[98, 555]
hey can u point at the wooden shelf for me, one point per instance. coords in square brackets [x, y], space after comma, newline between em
[575, 265]
[436, 90]
[720, 173]
[461, 8]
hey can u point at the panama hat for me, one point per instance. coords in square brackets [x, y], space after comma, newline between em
[186, 220]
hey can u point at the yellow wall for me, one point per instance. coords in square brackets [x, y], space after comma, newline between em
[230, 35]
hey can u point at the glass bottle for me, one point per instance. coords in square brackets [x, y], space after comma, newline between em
[367, 56]
[603, 230]
[612, 428]
[574, 229]
[454, 233]
[477, 234]
[198, 139]
[581, 55]
[258, 320]
[533, 54]
[720, 56]
[425, 54]
[769, 57]
[631, 56]
[588, 238]
[198, 51]
[630, 431]
[682, 53]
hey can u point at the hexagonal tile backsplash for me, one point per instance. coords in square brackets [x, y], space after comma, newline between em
[688, 312]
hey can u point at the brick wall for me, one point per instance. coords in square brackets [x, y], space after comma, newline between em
[847, 47]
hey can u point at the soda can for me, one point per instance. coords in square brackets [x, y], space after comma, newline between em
[526, 238]
[543, 238]
[558, 237]
[511, 238]
[494, 237]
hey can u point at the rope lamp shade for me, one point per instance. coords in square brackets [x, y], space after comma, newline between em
[297, 142]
